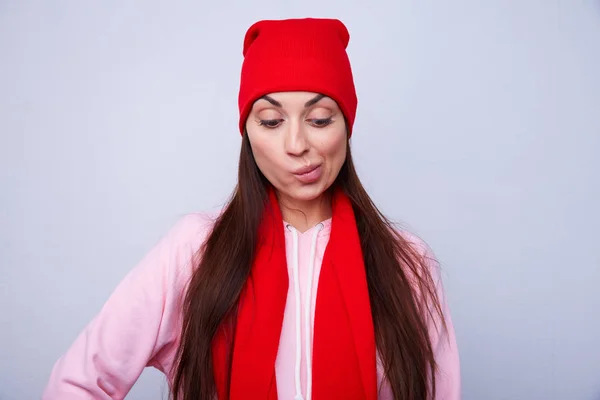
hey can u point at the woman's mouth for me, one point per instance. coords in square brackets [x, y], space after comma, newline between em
[309, 174]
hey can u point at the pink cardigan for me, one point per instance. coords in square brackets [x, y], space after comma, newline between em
[140, 324]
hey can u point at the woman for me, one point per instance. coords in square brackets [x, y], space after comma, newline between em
[299, 288]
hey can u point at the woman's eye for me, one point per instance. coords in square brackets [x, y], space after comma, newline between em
[270, 123]
[320, 122]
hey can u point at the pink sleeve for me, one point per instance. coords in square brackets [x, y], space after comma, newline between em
[136, 327]
[448, 384]
[448, 381]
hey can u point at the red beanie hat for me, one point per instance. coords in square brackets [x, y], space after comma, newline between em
[297, 55]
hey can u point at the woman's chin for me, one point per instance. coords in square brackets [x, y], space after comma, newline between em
[307, 192]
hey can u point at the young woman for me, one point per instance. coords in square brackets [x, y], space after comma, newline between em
[300, 288]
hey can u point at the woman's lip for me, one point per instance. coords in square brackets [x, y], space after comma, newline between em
[306, 169]
[310, 175]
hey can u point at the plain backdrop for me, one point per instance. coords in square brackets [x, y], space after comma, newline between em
[478, 128]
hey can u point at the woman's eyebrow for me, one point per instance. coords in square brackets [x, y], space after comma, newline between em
[314, 100]
[309, 103]
[271, 100]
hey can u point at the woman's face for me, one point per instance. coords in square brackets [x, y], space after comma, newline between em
[299, 142]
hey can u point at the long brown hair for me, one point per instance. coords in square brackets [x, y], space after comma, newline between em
[401, 288]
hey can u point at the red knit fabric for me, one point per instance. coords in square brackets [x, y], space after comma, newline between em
[344, 354]
[297, 55]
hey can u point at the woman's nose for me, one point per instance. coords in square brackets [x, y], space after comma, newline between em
[296, 141]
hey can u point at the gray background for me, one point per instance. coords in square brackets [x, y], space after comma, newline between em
[478, 127]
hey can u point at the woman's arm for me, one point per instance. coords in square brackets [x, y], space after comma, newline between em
[448, 384]
[443, 338]
[137, 326]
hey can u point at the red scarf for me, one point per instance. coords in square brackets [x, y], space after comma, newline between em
[344, 356]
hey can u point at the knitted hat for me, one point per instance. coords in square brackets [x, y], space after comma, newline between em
[297, 55]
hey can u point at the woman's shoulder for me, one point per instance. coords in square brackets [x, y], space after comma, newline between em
[416, 242]
[192, 227]
[423, 251]
[176, 252]
[190, 230]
